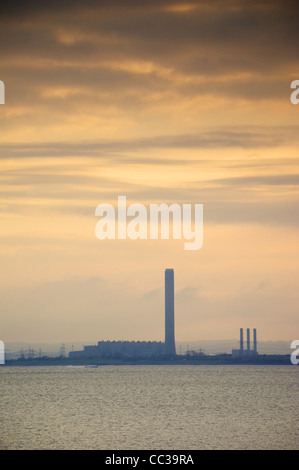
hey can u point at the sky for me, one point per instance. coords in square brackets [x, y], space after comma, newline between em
[163, 101]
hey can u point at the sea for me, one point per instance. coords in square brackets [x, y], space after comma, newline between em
[151, 407]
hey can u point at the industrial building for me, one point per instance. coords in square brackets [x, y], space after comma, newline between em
[138, 349]
[131, 349]
[248, 351]
[119, 349]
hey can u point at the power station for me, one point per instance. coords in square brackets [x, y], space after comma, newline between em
[135, 349]
[248, 351]
[139, 348]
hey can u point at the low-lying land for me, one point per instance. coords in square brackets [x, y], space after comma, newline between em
[161, 360]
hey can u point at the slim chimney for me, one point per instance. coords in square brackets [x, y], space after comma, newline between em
[248, 340]
[169, 312]
[241, 341]
[254, 341]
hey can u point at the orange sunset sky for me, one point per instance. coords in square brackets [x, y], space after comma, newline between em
[162, 101]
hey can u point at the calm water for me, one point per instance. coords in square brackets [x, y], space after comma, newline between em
[149, 407]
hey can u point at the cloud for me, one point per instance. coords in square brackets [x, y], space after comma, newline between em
[163, 101]
[246, 138]
[237, 49]
[152, 294]
[258, 180]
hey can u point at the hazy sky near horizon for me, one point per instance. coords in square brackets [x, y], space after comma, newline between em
[162, 101]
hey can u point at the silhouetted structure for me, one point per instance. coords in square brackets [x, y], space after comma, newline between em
[118, 349]
[254, 341]
[133, 349]
[169, 312]
[241, 340]
[248, 351]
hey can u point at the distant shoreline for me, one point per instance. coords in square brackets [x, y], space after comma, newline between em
[221, 359]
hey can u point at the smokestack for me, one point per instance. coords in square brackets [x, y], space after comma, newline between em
[254, 340]
[241, 340]
[169, 312]
[248, 340]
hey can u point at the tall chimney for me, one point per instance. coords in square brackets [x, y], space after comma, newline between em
[248, 340]
[169, 312]
[254, 341]
[241, 341]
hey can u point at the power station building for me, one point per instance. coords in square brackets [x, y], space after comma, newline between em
[118, 349]
[129, 349]
[248, 351]
[135, 349]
